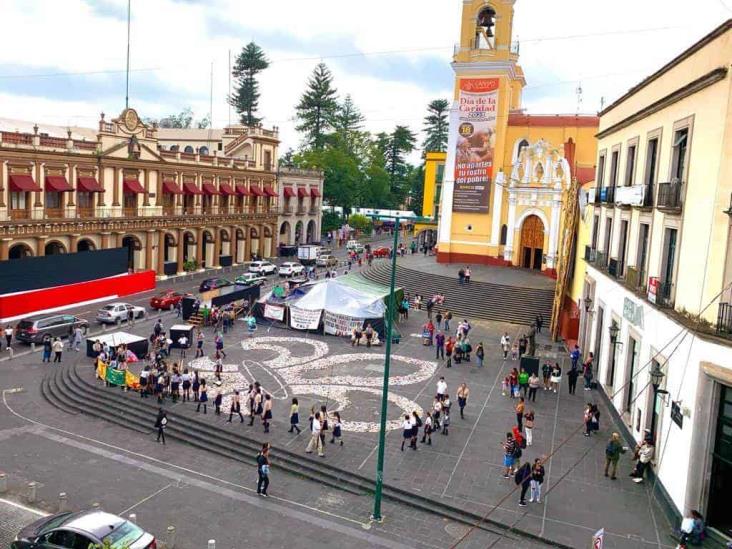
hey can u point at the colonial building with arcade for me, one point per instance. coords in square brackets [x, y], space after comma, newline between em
[178, 199]
[507, 174]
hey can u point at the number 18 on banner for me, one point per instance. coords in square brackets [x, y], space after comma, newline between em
[598, 539]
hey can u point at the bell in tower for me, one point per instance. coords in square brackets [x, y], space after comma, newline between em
[484, 36]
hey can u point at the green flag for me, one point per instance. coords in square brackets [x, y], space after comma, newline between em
[115, 377]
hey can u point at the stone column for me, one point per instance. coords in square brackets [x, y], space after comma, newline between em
[5, 248]
[105, 241]
[41, 246]
[115, 187]
[199, 246]
[73, 242]
[100, 201]
[180, 249]
[508, 250]
[233, 245]
[551, 256]
[161, 253]
[39, 180]
[146, 186]
[149, 249]
[217, 247]
[72, 181]
[247, 243]
[495, 238]
[3, 178]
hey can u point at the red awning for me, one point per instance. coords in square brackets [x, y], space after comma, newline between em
[189, 187]
[210, 188]
[58, 183]
[242, 190]
[89, 185]
[170, 187]
[314, 192]
[302, 192]
[20, 182]
[256, 191]
[269, 191]
[289, 192]
[132, 186]
[226, 189]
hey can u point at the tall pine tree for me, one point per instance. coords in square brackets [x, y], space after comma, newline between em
[245, 99]
[436, 126]
[317, 108]
[347, 125]
[400, 142]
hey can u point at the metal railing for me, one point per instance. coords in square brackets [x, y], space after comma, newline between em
[724, 319]
[590, 254]
[635, 279]
[601, 259]
[614, 268]
[608, 195]
[669, 195]
[665, 295]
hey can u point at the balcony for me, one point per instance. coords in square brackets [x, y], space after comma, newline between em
[314, 210]
[302, 210]
[607, 195]
[669, 196]
[665, 295]
[130, 211]
[615, 268]
[724, 319]
[590, 254]
[635, 279]
[85, 212]
[20, 214]
[288, 210]
[55, 213]
[601, 260]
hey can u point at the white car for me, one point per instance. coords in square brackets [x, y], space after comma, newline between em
[327, 261]
[110, 314]
[354, 246]
[263, 268]
[291, 269]
[250, 279]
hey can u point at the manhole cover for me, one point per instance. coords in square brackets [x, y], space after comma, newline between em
[456, 530]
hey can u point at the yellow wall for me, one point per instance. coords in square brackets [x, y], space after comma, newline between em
[432, 161]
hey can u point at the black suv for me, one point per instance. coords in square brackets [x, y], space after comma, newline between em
[34, 328]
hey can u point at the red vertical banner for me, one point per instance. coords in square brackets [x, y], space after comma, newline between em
[476, 129]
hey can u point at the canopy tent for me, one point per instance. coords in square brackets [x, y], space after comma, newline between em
[336, 297]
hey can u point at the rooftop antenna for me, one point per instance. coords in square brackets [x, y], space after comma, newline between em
[602, 103]
[579, 97]
[127, 78]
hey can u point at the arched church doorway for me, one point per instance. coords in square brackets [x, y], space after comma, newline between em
[532, 243]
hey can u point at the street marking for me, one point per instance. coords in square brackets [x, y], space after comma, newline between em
[551, 452]
[148, 498]
[37, 512]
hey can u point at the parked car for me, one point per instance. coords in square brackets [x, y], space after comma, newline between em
[249, 279]
[109, 314]
[382, 251]
[291, 269]
[327, 261]
[322, 250]
[263, 268]
[166, 300]
[354, 246]
[34, 328]
[83, 529]
[213, 284]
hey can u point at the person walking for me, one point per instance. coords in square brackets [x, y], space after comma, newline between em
[324, 424]
[267, 412]
[186, 384]
[47, 344]
[644, 454]
[199, 343]
[441, 388]
[446, 421]
[8, 336]
[161, 422]
[315, 442]
[257, 405]
[449, 348]
[461, 276]
[587, 419]
[77, 338]
[556, 377]
[440, 345]
[130, 317]
[612, 455]
[523, 380]
[480, 354]
[574, 356]
[572, 376]
[235, 407]
[534, 383]
[295, 416]
[218, 399]
[513, 382]
[58, 348]
[203, 397]
[436, 411]
[463, 393]
[467, 275]
[520, 414]
[219, 344]
[529, 427]
[537, 479]
[539, 321]
[428, 428]
[337, 429]
[448, 319]
[505, 344]
[263, 465]
[438, 319]
[587, 372]
[416, 422]
[523, 477]
[546, 374]
[195, 386]
[509, 449]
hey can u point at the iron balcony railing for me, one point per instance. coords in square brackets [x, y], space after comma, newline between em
[601, 260]
[590, 254]
[614, 268]
[635, 279]
[607, 196]
[724, 319]
[669, 195]
[664, 295]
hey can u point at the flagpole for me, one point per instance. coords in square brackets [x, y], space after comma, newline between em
[127, 83]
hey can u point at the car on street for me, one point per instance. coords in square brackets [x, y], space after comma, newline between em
[354, 246]
[81, 530]
[249, 279]
[264, 268]
[213, 284]
[34, 328]
[291, 268]
[327, 261]
[166, 300]
[109, 314]
[382, 251]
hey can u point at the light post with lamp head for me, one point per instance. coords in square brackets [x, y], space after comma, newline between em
[657, 376]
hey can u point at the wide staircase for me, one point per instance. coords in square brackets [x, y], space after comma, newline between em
[476, 300]
[72, 389]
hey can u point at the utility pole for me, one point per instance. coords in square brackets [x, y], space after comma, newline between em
[127, 78]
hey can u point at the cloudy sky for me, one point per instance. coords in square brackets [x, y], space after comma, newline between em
[62, 61]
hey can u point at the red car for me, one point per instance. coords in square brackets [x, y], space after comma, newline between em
[166, 300]
[382, 251]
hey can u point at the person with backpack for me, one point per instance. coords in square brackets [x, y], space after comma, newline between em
[523, 478]
[537, 479]
[612, 455]
[263, 465]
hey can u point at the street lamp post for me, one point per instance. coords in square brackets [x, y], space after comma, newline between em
[391, 309]
[657, 376]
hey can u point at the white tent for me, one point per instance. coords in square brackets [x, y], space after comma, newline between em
[340, 299]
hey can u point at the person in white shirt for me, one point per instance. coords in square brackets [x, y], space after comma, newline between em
[441, 388]
[183, 344]
[505, 345]
[8, 336]
[315, 441]
[407, 430]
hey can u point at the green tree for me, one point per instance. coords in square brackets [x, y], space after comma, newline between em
[245, 99]
[184, 119]
[288, 159]
[436, 126]
[360, 222]
[416, 186]
[317, 108]
[400, 142]
[348, 125]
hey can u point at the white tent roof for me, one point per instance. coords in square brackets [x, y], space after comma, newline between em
[340, 299]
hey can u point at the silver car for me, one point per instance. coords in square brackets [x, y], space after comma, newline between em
[110, 314]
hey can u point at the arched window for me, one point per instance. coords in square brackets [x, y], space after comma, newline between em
[504, 234]
[523, 144]
[188, 149]
[174, 148]
[203, 151]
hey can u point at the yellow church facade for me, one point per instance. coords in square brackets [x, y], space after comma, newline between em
[506, 173]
